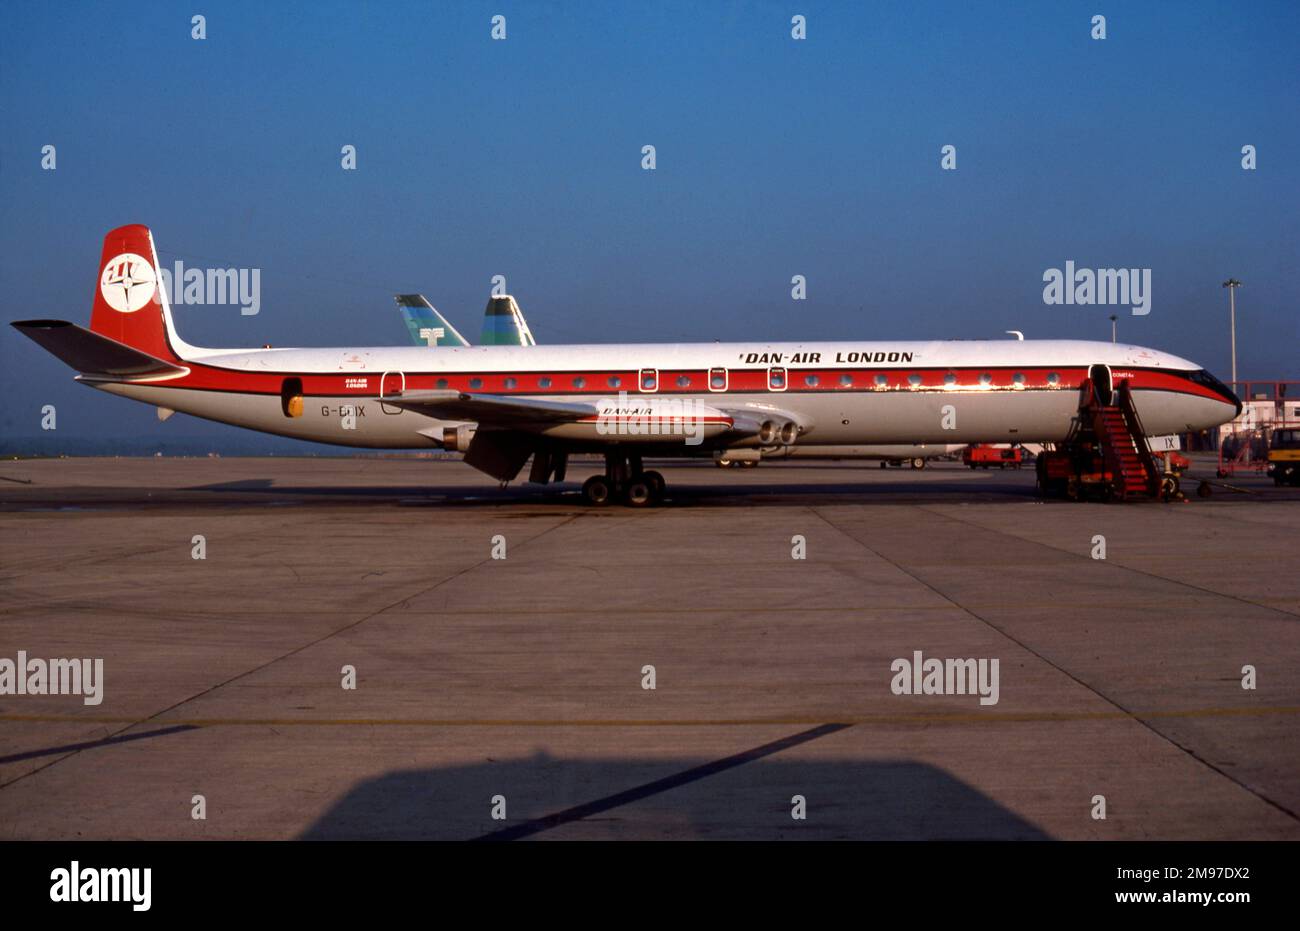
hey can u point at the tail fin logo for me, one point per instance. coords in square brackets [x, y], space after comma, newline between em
[128, 282]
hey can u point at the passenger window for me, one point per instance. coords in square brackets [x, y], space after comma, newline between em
[810, 380]
[914, 380]
[579, 382]
[683, 381]
[544, 382]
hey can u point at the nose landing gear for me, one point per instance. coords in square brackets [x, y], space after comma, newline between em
[626, 481]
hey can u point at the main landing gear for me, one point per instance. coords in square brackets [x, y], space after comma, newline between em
[626, 481]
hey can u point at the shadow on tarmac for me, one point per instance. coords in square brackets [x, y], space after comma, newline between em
[747, 796]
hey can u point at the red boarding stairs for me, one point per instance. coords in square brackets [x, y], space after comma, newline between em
[1123, 444]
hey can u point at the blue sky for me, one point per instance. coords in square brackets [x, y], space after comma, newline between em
[775, 157]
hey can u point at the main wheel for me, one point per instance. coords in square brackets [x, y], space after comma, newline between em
[657, 483]
[1169, 487]
[597, 491]
[918, 463]
[639, 493]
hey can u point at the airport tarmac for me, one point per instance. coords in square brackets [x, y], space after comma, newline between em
[485, 683]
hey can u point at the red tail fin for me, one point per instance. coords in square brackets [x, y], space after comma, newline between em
[130, 303]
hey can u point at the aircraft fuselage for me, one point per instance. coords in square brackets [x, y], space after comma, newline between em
[843, 393]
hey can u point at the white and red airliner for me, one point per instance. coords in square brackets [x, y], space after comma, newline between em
[502, 405]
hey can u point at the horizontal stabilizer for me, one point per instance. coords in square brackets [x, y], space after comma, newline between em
[93, 354]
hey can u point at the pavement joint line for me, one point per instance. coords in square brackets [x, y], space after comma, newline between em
[1118, 565]
[1024, 646]
[944, 717]
[248, 672]
[835, 610]
[1221, 514]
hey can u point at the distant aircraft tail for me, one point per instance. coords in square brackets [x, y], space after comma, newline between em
[504, 324]
[426, 325]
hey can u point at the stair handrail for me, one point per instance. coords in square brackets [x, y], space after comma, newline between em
[1139, 434]
[1085, 412]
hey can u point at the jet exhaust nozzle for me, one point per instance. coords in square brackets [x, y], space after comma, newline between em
[785, 433]
[457, 439]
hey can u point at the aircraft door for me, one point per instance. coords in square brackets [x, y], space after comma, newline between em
[391, 384]
[1102, 384]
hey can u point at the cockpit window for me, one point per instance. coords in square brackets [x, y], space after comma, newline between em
[1202, 377]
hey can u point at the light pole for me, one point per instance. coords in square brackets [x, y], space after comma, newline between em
[1113, 318]
[1232, 284]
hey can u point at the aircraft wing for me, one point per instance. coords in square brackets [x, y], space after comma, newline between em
[492, 410]
[507, 430]
[537, 415]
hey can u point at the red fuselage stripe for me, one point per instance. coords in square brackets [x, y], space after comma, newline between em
[678, 382]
